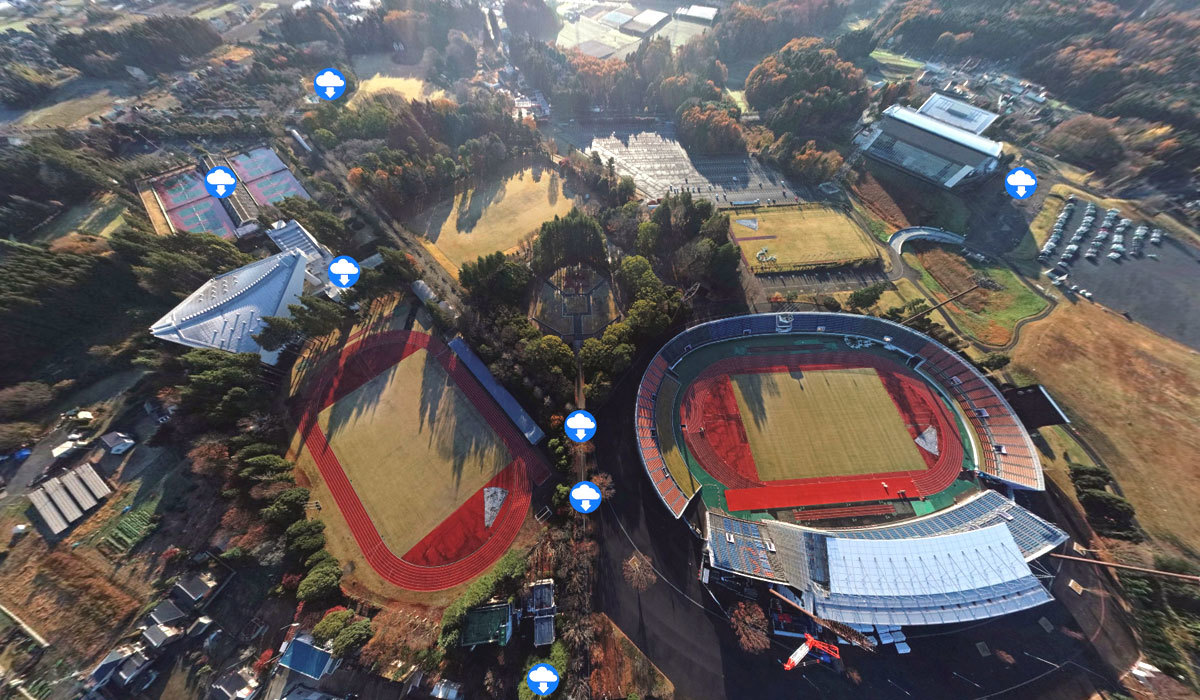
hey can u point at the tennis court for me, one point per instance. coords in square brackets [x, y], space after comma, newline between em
[275, 187]
[180, 189]
[204, 216]
[256, 163]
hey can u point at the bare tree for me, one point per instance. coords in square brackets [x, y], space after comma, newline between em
[750, 626]
[639, 572]
[604, 482]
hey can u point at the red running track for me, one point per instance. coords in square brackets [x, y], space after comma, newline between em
[724, 451]
[459, 548]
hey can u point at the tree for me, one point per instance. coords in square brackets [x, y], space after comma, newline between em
[14, 435]
[648, 237]
[639, 572]
[352, 638]
[1087, 140]
[604, 482]
[494, 279]
[210, 457]
[867, 296]
[277, 332]
[22, 399]
[994, 360]
[750, 627]
[321, 583]
[287, 507]
[335, 621]
[306, 536]
[265, 467]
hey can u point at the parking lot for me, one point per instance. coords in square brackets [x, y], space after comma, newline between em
[660, 166]
[822, 281]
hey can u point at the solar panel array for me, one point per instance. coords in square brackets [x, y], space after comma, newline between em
[1033, 535]
[965, 563]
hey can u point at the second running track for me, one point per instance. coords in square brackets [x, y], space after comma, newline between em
[358, 363]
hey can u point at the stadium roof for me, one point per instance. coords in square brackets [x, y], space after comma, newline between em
[926, 565]
[226, 311]
[957, 113]
[1035, 407]
[970, 145]
[488, 624]
[967, 562]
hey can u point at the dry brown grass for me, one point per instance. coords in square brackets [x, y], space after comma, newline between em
[1135, 397]
[67, 597]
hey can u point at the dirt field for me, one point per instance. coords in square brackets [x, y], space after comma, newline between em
[800, 237]
[494, 216]
[590, 299]
[987, 314]
[840, 421]
[415, 448]
[378, 73]
[97, 217]
[1135, 397]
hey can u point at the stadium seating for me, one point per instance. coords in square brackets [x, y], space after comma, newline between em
[1007, 453]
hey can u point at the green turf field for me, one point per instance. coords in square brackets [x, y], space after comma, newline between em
[413, 446]
[823, 423]
[800, 238]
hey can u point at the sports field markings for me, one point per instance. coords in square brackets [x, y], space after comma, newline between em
[818, 423]
[415, 448]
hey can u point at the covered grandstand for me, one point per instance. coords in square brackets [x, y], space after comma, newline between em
[953, 549]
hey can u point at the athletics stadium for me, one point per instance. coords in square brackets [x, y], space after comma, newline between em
[860, 468]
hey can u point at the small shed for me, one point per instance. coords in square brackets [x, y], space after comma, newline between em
[117, 443]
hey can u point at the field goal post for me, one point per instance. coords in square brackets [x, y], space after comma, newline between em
[783, 323]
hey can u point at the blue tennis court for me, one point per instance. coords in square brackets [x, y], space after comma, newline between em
[204, 216]
[180, 189]
[257, 163]
[272, 188]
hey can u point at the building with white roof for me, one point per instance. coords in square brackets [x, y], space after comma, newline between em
[228, 310]
[954, 112]
[939, 151]
[701, 14]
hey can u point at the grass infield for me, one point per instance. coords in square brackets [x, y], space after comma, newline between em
[414, 448]
[494, 216]
[823, 423]
[800, 238]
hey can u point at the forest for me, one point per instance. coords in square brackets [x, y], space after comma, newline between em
[155, 44]
[1094, 53]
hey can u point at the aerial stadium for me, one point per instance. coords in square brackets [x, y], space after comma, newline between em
[862, 470]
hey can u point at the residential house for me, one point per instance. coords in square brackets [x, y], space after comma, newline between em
[117, 443]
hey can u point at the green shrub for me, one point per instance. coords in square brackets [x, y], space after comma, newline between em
[511, 567]
[332, 625]
[352, 638]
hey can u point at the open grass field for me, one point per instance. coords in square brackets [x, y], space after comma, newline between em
[497, 215]
[377, 73]
[988, 315]
[414, 447]
[75, 101]
[892, 66]
[799, 238]
[823, 423]
[99, 216]
[1134, 396]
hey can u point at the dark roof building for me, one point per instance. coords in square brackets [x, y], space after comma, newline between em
[195, 589]
[929, 148]
[1035, 407]
[159, 636]
[165, 613]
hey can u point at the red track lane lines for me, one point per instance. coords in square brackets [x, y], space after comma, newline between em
[913, 399]
[358, 363]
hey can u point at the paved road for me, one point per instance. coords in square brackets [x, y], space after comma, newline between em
[684, 632]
